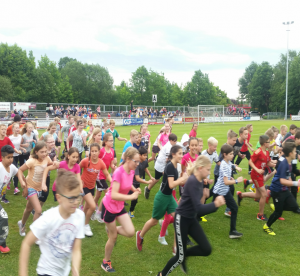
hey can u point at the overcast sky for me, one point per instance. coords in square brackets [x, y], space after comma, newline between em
[220, 38]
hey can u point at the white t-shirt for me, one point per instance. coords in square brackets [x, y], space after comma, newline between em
[16, 141]
[212, 157]
[57, 236]
[158, 137]
[5, 176]
[36, 133]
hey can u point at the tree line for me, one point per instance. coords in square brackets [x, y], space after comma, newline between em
[71, 81]
[264, 85]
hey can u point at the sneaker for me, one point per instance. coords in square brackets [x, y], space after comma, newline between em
[245, 184]
[146, 192]
[203, 219]
[249, 172]
[272, 206]
[268, 196]
[4, 250]
[281, 218]
[106, 266]
[131, 214]
[37, 242]
[235, 234]
[252, 190]
[269, 230]
[93, 216]
[162, 240]
[87, 230]
[189, 242]
[227, 213]
[183, 267]
[262, 217]
[161, 221]
[21, 228]
[4, 200]
[174, 250]
[8, 186]
[139, 241]
[16, 191]
[239, 197]
[100, 219]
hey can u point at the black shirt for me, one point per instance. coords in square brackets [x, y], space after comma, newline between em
[139, 171]
[170, 171]
[190, 206]
[237, 148]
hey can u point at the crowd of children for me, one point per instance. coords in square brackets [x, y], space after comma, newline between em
[184, 165]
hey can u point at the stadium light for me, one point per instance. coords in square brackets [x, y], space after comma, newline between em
[287, 65]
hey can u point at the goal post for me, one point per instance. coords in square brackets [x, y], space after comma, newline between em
[210, 113]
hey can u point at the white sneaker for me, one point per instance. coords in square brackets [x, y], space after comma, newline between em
[162, 240]
[21, 229]
[38, 242]
[98, 216]
[161, 223]
[87, 230]
[93, 217]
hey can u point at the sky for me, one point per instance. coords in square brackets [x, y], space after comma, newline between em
[220, 38]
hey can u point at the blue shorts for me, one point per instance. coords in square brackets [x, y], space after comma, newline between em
[32, 192]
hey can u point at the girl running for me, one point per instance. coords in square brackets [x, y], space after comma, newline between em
[186, 215]
[58, 133]
[146, 137]
[50, 130]
[164, 138]
[193, 132]
[35, 131]
[91, 168]
[36, 165]
[28, 138]
[113, 204]
[164, 200]
[155, 148]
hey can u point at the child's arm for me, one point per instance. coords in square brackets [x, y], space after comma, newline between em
[115, 195]
[179, 181]
[24, 145]
[79, 179]
[84, 140]
[260, 171]
[248, 145]
[76, 257]
[140, 180]
[289, 182]
[147, 172]
[182, 169]
[272, 163]
[45, 174]
[21, 175]
[41, 138]
[69, 139]
[107, 175]
[112, 165]
[231, 181]
[17, 151]
[122, 139]
[159, 143]
[28, 241]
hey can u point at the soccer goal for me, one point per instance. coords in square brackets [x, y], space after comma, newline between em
[210, 113]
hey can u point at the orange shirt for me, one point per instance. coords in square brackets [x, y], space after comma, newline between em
[90, 172]
[9, 131]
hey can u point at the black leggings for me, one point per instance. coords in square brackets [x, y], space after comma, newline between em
[239, 159]
[133, 202]
[283, 201]
[17, 160]
[23, 158]
[44, 195]
[184, 227]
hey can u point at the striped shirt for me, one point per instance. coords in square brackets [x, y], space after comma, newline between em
[225, 171]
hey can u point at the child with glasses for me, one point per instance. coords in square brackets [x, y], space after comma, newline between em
[59, 231]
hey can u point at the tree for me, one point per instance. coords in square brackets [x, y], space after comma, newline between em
[246, 79]
[138, 84]
[294, 86]
[63, 62]
[6, 90]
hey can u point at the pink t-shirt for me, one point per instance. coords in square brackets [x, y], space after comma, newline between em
[164, 138]
[64, 165]
[193, 133]
[106, 158]
[125, 180]
[187, 158]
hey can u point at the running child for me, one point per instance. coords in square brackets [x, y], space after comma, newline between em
[186, 222]
[59, 230]
[139, 143]
[283, 132]
[7, 171]
[50, 130]
[133, 139]
[155, 148]
[35, 131]
[58, 133]
[35, 166]
[292, 131]
[221, 188]
[105, 128]
[164, 137]
[146, 137]
[193, 132]
[65, 130]
[27, 142]
[200, 146]
[113, 204]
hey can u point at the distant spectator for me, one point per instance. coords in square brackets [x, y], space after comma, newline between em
[12, 115]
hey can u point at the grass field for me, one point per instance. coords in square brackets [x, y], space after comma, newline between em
[255, 253]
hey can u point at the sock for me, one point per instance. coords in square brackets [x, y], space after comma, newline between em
[247, 182]
[140, 236]
[253, 186]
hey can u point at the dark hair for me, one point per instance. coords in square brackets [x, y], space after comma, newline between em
[105, 138]
[17, 118]
[92, 146]
[66, 180]
[173, 150]
[173, 137]
[292, 126]
[297, 135]
[226, 149]
[142, 150]
[38, 146]
[263, 139]
[194, 124]
[288, 147]
[6, 150]
[70, 152]
[193, 138]
[242, 129]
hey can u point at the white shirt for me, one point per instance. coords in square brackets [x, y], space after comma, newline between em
[57, 236]
[212, 157]
[158, 137]
[5, 176]
[16, 141]
[225, 171]
[279, 139]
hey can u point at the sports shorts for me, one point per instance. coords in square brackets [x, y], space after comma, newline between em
[101, 185]
[109, 217]
[162, 204]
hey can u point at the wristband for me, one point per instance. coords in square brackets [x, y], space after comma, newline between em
[236, 182]
[295, 183]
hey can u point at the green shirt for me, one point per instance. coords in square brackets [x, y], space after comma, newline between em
[257, 145]
[115, 135]
[87, 130]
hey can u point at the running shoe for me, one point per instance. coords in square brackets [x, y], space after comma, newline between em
[87, 230]
[131, 214]
[4, 200]
[269, 230]
[139, 241]
[227, 213]
[99, 218]
[21, 228]
[93, 216]
[146, 192]
[239, 197]
[281, 218]
[262, 217]
[268, 196]
[161, 221]
[235, 234]
[203, 219]
[162, 240]
[189, 242]
[37, 242]
[8, 186]
[106, 266]
[245, 184]
[249, 172]
[4, 250]
[252, 190]
[16, 191]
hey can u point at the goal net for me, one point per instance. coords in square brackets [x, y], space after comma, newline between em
[210, 113]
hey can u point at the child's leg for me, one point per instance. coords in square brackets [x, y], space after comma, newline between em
[167, 220]
[126, 227]
[3, 227]
[262, 201]
[152, 157]
[97, 196]
[89, 207]
[231, 204]
[112, 238]
[148, 225]
[133, 204]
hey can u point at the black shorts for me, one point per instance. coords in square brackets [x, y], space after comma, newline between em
[206, 186]
[101, 185]
[155, 149]
[87, 191]
[54, 194]
[108, 217]
[158, 175]
[57, 144]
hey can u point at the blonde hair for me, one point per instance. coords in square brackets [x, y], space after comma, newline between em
[84, 120]
[212, 141]
[51, 125]
[3, 125]
[201, 161]
[248, 126]
[95, 132]
[56, 119]
[34, 124]
[231, 134]
[275, 129]
[111, 122]
[25, 127]
[200, 140]
[130, 153]
[283, 127]
[47, 137]
[133, 132]
[270, 133]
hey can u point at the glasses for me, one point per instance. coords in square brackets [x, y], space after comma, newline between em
[72, 199]
[136, 162]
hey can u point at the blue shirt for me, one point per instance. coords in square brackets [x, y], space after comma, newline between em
[284, 171]
[138, 146]
[127, 145]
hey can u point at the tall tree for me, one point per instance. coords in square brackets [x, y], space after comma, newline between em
[294, 86]
[246, 79]
[138, 84]
[63, 62]
[6, 90]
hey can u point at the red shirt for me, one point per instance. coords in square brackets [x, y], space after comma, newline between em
[4, 142]
[260, 160]
[244, 147]
[90, 172]
[193, 133]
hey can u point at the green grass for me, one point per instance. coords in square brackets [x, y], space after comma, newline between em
[255, 254]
